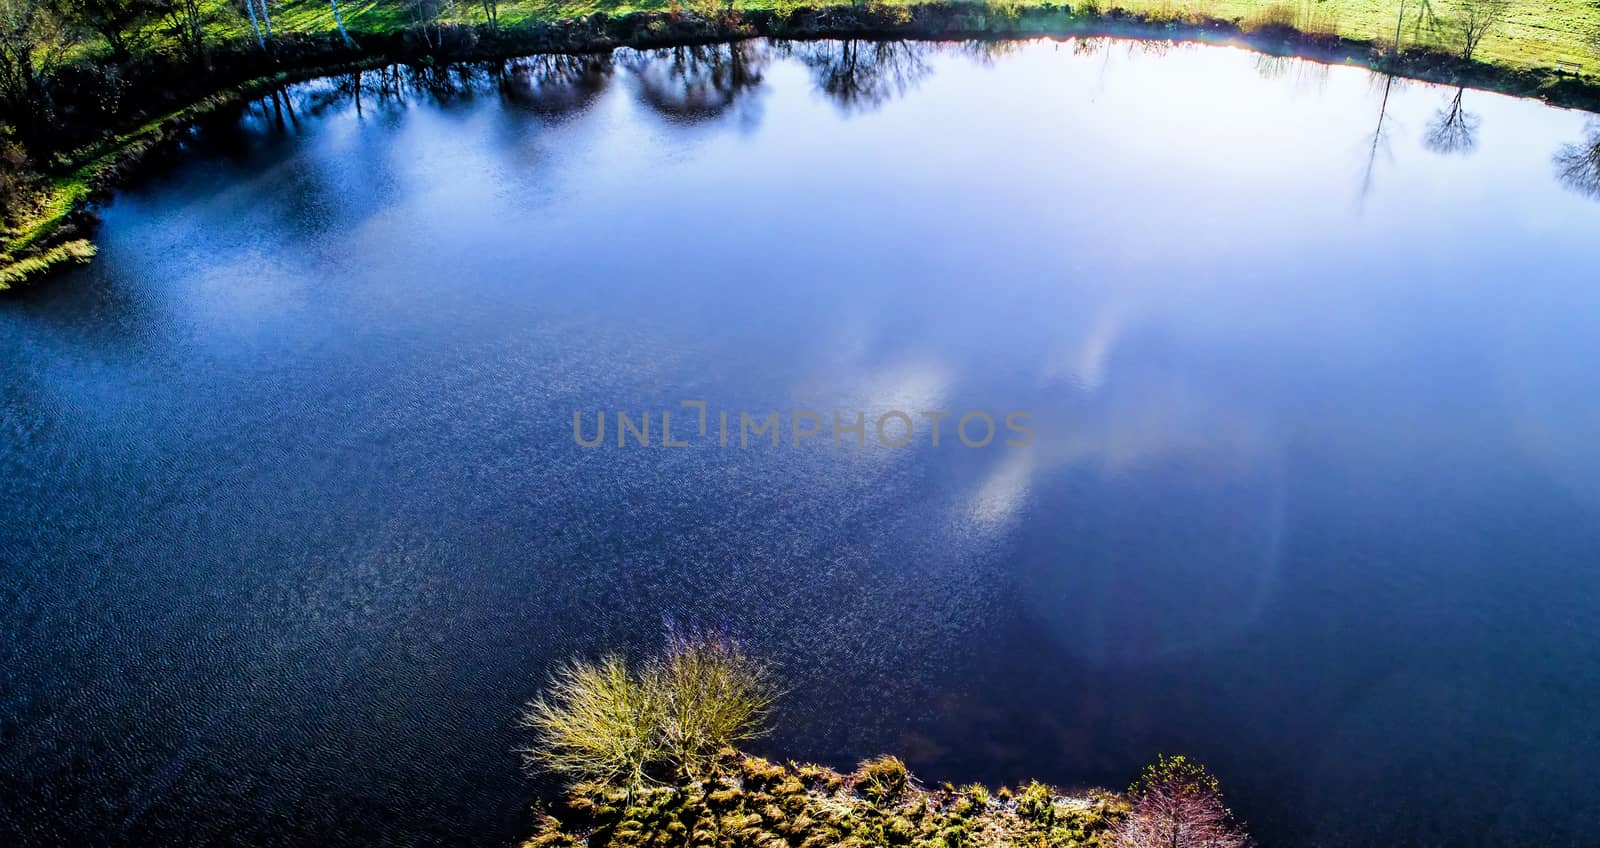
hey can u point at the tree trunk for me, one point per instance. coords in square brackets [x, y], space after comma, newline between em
[250, 6]
[1400, 22]
[338, 20]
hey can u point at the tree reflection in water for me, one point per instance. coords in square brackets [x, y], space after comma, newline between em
[700, 82]
[859, 75]
[1301, 74]
[553, 85]
[987, 51]
[443, 83]
[1578, 165]
[1453, 129]
[1380, 136]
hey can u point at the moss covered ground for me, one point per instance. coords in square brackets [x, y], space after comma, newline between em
[754, 803]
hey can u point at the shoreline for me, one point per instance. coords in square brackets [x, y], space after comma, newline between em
[60, 234]
[750, 800]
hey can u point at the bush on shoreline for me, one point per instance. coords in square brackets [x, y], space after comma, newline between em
[667, 720]
[1177, 802]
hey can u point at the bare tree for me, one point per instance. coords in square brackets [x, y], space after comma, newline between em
[1477, 19]
[491, 14]
[1453, 129]
[1578, 165]
[1177, 804]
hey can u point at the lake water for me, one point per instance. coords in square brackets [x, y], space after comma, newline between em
[294, 519]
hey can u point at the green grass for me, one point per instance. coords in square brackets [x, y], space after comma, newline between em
[60, 197]
[1538, 33]
[77, 250]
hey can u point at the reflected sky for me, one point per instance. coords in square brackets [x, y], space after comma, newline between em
[295, 521]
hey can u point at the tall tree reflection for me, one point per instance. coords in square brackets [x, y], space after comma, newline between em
[859, 75]
[1380, 136]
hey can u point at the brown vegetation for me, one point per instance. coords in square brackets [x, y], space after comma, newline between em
[1177, 804]
[749, 801]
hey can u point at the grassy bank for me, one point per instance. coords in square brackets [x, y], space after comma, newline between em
[1533, 52]
[1535, 34]
[754, 802]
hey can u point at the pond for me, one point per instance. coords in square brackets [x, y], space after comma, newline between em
[1307, 359]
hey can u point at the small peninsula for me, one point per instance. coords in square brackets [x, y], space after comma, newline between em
[648, 754]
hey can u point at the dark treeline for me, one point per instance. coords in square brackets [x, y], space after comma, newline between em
[77, 74]
[74, 73]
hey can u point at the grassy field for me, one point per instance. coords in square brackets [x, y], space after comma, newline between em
[1538, 33]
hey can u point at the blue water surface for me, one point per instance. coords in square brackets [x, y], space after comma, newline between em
[292, 520]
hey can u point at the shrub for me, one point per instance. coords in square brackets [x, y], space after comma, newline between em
[598, 722]
[1036, 803]
[1177, 804]
[603, 723]
[883, 779]
[713, 695]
